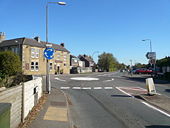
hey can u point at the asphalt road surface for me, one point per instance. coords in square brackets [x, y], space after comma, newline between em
[103, 100]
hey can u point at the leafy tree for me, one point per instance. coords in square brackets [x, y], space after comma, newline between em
[10, 63]
[107, 62]
[139, 65]
[163, 62]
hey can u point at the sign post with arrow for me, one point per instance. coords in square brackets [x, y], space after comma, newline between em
[48, 54]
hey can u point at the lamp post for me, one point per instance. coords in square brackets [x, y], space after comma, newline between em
[154, 65]
[48, 84]
[150, 43]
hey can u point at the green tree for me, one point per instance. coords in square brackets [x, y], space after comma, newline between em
[107, 62]
[10, 63]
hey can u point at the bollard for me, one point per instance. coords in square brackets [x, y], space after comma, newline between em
[150, 86]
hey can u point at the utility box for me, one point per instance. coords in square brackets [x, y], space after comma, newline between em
[5, 115]
[150, 86]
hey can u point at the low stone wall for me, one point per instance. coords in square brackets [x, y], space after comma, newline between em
[22, 99]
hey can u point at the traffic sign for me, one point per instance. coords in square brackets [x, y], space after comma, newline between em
[49, 53]
[151, 55]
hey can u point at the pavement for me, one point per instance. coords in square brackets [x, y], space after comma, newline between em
[54, 113]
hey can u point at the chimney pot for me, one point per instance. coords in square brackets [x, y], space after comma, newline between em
[62, 44]
[37, 38]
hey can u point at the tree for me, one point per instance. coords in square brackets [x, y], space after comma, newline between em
[10, 63]
[107, 62]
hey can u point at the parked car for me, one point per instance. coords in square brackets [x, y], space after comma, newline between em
[143, 71]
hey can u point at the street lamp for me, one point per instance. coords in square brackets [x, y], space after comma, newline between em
[48, 85]
[150, 43]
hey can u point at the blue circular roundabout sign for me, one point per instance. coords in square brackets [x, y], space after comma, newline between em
[49, 53]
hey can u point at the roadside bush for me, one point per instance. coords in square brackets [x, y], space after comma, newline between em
[10, 64]
[167, 76]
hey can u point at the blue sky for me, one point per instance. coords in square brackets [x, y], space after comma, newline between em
[87, 26]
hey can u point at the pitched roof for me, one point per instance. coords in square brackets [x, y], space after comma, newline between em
[31, 42]
[88, 58]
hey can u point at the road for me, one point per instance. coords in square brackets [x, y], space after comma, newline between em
[103, 100]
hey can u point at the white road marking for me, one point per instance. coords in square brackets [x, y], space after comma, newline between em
[134, 88]
[108, 87]
[108, 80]
[64, 87]
[156, 109]
[97, 87]
[76, 87]
[84, 78]
[59, 79]
[124, 92]
[86, 87]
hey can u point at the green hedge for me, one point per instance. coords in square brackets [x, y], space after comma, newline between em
[167, 76]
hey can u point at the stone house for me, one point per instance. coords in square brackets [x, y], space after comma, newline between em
[31, 52]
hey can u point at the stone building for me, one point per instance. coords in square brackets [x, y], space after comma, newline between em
[31, 52]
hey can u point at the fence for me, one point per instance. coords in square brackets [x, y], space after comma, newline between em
[22, 99]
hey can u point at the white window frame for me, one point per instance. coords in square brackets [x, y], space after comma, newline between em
[34, 66]
[51, 66]
[35, 52]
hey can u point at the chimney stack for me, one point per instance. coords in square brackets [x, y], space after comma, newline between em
[62, 44]
[37, 38]
[2, 36]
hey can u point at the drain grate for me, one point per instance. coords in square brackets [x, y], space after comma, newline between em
[53, 103]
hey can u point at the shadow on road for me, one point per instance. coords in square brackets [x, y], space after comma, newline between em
[120, 96]
[167, 90]
[158, 126]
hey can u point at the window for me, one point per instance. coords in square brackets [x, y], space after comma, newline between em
[51, 66]
[35, 53]
[34, 66]
[32, 52]
[58, 56]
[15, 50]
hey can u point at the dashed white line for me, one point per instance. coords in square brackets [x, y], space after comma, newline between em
[64, 87]
[97, 88]
[86, 87]
[108, 87]
[108, 80]
[156, 109]
[59, 79]
[76, 87]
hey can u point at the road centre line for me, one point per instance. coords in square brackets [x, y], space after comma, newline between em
[76, 87]
[86, 87]
[108, 87]
[156, 109]
[97, 88]
[64, 87]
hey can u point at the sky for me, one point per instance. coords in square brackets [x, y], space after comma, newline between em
[93, 26]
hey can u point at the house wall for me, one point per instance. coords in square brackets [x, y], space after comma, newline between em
[61, 59]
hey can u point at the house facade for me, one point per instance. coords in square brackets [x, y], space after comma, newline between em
[31, 52]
